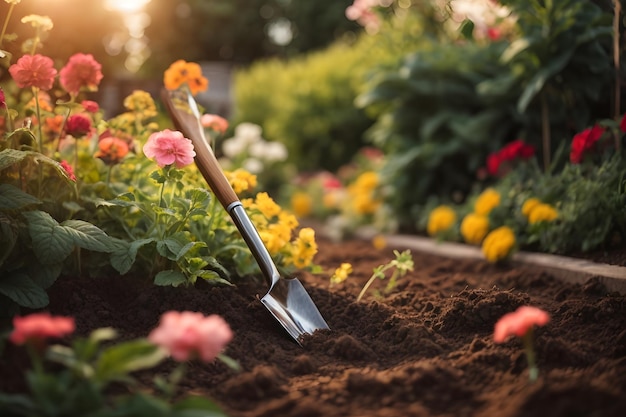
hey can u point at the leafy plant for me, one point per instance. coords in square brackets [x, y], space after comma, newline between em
[402, 264]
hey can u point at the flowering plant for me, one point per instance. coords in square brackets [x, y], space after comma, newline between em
[83, 371]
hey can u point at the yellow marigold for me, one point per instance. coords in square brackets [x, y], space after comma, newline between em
[368, 180]
[498, 244]
[301, 204]
[542, 213]
[442, 218]
[529, 205]
[474, 228]
[379, 242]
[341, 273]
[183, 72]
[140, 101]
[267, 205]
[363, 203]
[487, 201]
[288, 220]
[241, 180]
[304, 248]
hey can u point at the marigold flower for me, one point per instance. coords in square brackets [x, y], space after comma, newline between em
[40, 326]
[529, 205]
[583, 142]
[187, 335]
[519, 322]
[498, 244]
[214, 122]
[341, 273]
[241, 180]
[542, 213]
[78, 125]
[81, 71]
[68, 170]
[301, 204]
[112, 150]
[367, 180]
[442, 218]
[305, 248]
[267, 205]
[141, 102]
[474, 228]
[182, 72]
[169, 147]
[487, 201]
[34, 71]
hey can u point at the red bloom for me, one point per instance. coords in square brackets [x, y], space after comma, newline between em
[494, 34]
[3, 101]
[90, 106]
[583, 142]
[69, 170]
[34, 71]
[81, 71]
[517, 149]
[78, 125]
[39, 327]
[519, 322]
[493, 163]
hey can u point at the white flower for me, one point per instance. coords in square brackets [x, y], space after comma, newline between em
[253, 165]
[248, 132]
[275, 151]
[233, 147]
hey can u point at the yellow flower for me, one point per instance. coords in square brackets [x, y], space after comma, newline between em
[182, 72]
[542, 213]
[301, 204]
[441, 219]
[498, 244]
[288, 220]
[331, 199]
[267, 205]
[529, 205]
[474, 228]
[379, 242]
[37, 21]
[241, 180]
[368, 180]
[487, 201]
[304, 248]
[363, 203]
[341, 273]
[140, 101]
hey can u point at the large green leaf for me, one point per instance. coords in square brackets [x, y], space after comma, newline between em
[124, 257]
[21, 289]
[51, 242]
[12, 198]
[170, 278]
[88, 236]
[119, 360]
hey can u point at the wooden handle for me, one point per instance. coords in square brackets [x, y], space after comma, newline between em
[208, 165]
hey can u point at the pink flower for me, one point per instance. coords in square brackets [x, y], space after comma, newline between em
[168, 147]
[583, 142]
[215, 122]
[3, 101]
[39, 327]
[519, 322]
[186, 335]
[90, 106]
[69, 170]
[78, 125]
[34, 71]
[81, 71]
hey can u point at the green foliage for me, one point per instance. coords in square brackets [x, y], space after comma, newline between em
[401, 265]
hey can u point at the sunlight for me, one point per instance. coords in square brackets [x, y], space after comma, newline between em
[126, 6]
[135, 42]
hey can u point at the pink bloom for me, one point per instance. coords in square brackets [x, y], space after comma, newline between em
[494, 33]
[90, 106]
[519, 322]
[81, 71]
[215, 122]
[39, 327]
[69, 170]
[186, 335]
[78, 125]
[583, 142]
[168, 147]
[3, 101]
[34, 71]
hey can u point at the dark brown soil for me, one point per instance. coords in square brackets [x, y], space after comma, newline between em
[424, 350]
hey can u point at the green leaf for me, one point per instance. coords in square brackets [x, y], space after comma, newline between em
[21, 289]
[51, 242]
[124, 257]
[8, 236]
[170, 277]
[119, 360]
[44, 275]
[88, 236]
[12, 198]
[518, 46]
[196, 406]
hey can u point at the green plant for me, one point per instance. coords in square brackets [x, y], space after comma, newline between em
[402, 264]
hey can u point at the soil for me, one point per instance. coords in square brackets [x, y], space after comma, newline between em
[425, 349]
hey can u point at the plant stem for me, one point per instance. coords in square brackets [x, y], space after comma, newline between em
[545, 131]
[6, 23]
[365, 288]
[533, 371]
[38, 110]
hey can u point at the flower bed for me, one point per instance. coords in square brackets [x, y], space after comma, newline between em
[425, 349]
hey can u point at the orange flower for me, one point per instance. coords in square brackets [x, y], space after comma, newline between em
[181, 72]
[214, 122]
[111, 150]
[40, 326]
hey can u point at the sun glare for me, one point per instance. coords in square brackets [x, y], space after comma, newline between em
[134, 42]
[126, 6]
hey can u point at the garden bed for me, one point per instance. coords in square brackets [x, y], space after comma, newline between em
[426, 349]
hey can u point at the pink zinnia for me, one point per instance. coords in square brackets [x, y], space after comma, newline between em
[583, 142]
[34, 71]
[215, 122]
[39, 327]
[186, 335]
[78, 125]
[519, 322]
[90, 106]
[168, 147]
[81, 71]
[68, 170]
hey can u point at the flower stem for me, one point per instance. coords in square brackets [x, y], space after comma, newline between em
[527, 340]
[365, 287]
[38, 110]
[6, 23]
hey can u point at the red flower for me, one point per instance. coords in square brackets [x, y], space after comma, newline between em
[583, 142]
[68, 170]
[81, 71]
[39, 327]
[517, 149]
[3, 101]
[78, 125]
[494, 34]
[519, 322]
[90, 106]
[34, 71]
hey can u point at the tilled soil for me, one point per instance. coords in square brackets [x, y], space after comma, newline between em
[425, 349]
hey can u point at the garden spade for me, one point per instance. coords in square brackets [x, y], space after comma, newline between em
[286, 299]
